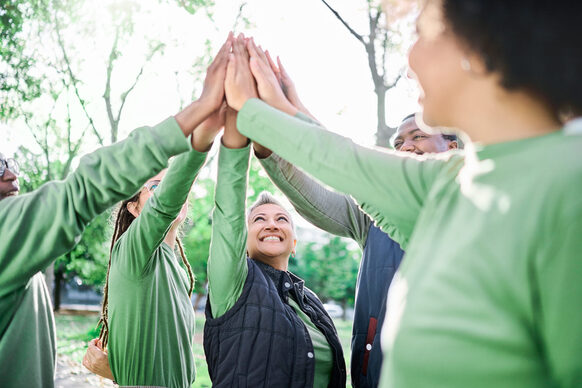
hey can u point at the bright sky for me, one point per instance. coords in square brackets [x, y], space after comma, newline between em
[329, 66]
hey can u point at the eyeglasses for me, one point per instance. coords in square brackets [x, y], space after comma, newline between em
[9, 164]
[152, 185]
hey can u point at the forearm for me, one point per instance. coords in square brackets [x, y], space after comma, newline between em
[147, 232]
[46, 223]
[390, 185]
[227, 267]
[333, 212]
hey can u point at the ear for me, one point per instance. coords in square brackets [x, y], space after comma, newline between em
[453, 145]
[133, 209]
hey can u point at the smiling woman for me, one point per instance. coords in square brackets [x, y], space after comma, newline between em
[263, 326]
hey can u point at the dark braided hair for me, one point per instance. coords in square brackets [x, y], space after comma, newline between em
[122, 222]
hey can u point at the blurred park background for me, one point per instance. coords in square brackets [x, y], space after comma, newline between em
[79, 74]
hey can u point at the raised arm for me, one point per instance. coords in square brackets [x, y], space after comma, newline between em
[145, 234]
[227, 266]
[389, 186]
[333, 212]
[38, 227]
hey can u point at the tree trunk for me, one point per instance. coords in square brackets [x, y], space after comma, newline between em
[59, 277]
[383, 131]
[344, 309]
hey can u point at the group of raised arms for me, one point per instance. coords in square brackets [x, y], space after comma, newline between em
[471, 274]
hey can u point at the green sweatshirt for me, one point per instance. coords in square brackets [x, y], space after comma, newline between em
[39, 226]
[490, 292]
[227, 264]
[151, 319]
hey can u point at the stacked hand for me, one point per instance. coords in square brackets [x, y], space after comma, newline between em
[240, 71]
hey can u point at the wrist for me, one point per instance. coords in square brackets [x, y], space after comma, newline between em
[234, 141]
[191, 116]
[261, 152]
[202, 143]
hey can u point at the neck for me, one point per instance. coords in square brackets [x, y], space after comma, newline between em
[507, 117]
[280, 263]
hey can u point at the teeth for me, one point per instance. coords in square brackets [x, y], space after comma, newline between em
[272, 238]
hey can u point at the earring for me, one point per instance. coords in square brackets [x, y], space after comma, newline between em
[293, 254]
[465, 64]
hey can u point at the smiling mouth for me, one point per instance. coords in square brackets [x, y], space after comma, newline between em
[11, 193]
[272, 238]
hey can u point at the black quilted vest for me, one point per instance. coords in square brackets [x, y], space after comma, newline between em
[261, 342]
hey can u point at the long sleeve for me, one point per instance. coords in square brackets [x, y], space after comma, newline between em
[557, 291]
[137, 244]
[227, 266]
[390, 186]
[40, 226]
[333, 212]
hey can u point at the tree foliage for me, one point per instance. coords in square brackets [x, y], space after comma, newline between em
[17, 81]
[329, 269]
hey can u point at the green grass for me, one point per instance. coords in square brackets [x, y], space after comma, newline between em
[74, 331]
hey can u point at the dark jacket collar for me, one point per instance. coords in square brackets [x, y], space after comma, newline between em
[285, 281]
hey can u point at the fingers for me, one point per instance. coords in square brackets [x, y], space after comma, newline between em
[273, 66]
[239, 47]
[221, 57]
[282, 68]
[260, 52]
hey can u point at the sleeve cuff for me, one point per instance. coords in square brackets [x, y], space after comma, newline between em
[170, 137]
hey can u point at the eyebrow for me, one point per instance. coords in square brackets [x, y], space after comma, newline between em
[264, 214]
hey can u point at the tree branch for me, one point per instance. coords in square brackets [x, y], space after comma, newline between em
[350, 29]
[384, 53]
[107, 93]
[74, 80]
[390, 86]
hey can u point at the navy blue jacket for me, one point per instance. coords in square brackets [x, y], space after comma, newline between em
[380, 260]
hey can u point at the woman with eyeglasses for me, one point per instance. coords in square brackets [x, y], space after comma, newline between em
[9, 170]
[147, 317]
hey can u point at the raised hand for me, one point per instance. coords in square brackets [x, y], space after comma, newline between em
[204, 134]
[288, 85]
[213, 90]
[239, 85]
[268, 85]
[212, 95]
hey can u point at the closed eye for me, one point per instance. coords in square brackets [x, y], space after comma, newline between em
[259, 218]
[282, 218]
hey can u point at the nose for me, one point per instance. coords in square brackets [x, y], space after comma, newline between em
[271, 225]
[407, 146]
[8, 176]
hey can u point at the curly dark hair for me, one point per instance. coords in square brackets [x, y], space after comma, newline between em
[535, 46]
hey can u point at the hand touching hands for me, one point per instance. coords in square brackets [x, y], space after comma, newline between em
[239, 85]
